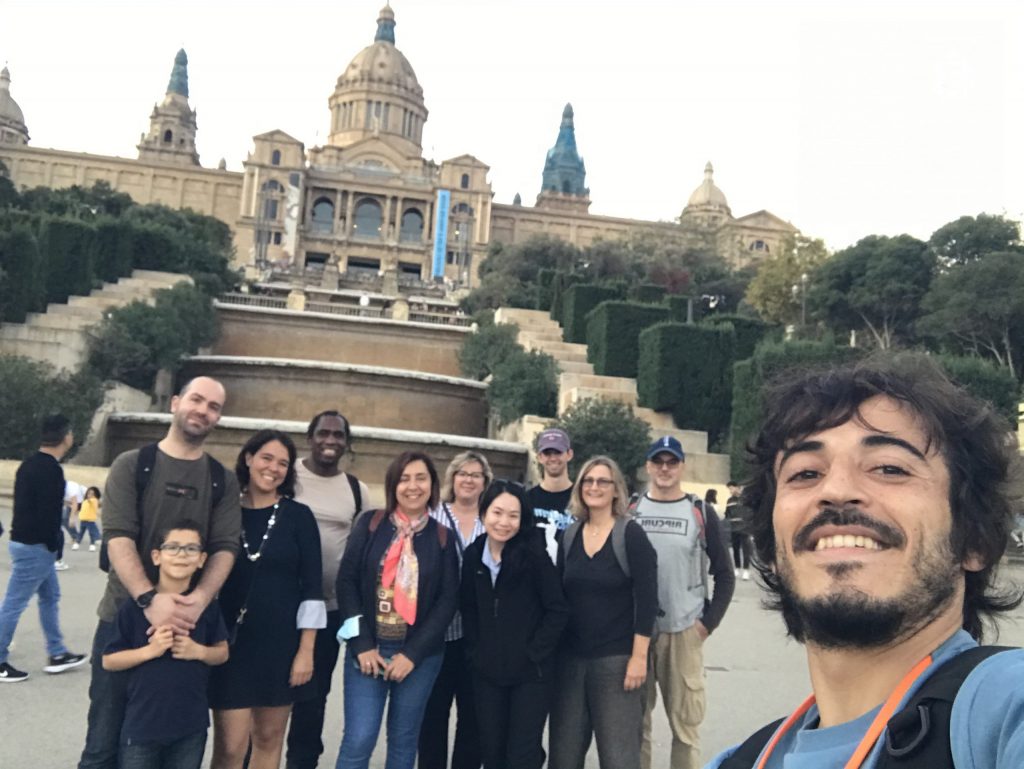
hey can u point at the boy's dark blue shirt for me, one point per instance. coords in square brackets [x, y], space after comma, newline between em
[166, 697]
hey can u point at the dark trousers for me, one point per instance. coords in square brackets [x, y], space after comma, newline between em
[107, 699]
[304, 735]
[511, 722]
[741, 549]
[591, 703]
[186, 753]
[453, 682]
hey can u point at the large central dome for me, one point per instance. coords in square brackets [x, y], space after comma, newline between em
[378, 94]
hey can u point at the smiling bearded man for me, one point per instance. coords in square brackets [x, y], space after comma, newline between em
[881, 506]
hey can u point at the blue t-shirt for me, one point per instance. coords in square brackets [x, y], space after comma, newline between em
[166, 696]
[986, 727]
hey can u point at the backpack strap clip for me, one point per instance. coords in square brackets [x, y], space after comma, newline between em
[901, 723]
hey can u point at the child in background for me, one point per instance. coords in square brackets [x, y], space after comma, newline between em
[166, 718]
[88, 513]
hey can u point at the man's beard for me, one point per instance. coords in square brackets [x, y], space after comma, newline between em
[848, 618]
[191, 435]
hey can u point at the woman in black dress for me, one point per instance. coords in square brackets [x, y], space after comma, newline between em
[513, 612]
[272, 604]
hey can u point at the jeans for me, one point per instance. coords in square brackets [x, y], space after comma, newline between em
[93, 529]
[453, 682]
[590, 701]
[32, 573]
[186, 753]
[305, 743]
[107, 699]
[365, 697]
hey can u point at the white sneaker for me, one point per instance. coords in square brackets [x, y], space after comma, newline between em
[746, 574]
[74, 546]
[735, 572]
[92, 548]
[60, 566]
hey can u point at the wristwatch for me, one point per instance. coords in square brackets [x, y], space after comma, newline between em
[145, 599]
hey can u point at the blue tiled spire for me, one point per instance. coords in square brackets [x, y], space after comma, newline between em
[179, 75]
[564, 171]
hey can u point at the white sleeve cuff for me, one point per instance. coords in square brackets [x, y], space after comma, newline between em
[312, 615]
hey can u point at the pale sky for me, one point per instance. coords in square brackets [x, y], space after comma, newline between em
[847, 119]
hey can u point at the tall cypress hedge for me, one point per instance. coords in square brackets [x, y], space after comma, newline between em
[577, 302]
[688, 369]
[613, 331]
[69, 246]
[749, 331]
[647, 293]
[559, 286]
[22, 282]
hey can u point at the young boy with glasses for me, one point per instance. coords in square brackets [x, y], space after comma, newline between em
[167, 716]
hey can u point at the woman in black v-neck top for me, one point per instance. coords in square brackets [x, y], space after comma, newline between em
[602, 665]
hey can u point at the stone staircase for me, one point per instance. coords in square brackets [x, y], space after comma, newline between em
[577, 381]
[60, 335]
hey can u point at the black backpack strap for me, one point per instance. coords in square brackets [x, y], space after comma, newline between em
[357, 493]
[216, 482]
[918, 736]
[745, 756]
[143, 470]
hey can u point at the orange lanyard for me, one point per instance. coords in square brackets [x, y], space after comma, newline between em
[873, 732]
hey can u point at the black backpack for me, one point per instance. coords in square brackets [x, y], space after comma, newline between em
[915, 738]
[143, 472]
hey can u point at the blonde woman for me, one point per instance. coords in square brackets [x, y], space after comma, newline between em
[609, 573]
[467, 476]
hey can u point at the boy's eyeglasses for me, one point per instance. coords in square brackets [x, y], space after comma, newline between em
[602, 483]
[173, 548]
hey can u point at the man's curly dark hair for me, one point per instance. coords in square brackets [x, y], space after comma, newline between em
[979, 450]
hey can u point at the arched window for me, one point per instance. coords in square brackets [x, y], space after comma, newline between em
[464, 184]
[168, 136]
[412, 226]
[367, 219]
[323, 215]
[275, 158]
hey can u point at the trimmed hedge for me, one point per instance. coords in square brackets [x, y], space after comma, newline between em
[613, 331]
[647, 293]
[985, 381]
[577, 302]
[688, 369]
[561, 284]
[545, 288]
[70, 249]
[678, 308]
[772, 360]
[749, 332]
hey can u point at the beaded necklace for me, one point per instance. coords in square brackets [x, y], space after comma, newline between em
[263, 543]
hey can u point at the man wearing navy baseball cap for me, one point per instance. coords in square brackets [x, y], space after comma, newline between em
[688, 540]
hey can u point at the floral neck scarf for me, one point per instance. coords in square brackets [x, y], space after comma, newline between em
[401, 566]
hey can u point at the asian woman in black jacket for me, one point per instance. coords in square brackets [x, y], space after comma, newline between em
[513, 612]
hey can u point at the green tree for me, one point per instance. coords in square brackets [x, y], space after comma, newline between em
[606, 427]
[971, 237]
[29, 390]
[875, 285]
[523, 383]
[771, 290]
[482, 351]
[8, 192]
[978, 308]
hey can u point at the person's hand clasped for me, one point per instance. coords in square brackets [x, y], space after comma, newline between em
[371, 663]
[184, 648]
[399, 667]
[636, 673]
[161, 639]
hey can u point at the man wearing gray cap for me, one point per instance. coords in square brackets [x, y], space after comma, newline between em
[550, 498]
[688, 540]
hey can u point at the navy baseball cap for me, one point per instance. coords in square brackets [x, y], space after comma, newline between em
[667, 445]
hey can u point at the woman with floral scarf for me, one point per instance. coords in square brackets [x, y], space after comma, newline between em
[397, 591]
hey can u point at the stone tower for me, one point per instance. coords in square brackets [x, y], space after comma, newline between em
[12, 121]
[172, 125]
[564, 183]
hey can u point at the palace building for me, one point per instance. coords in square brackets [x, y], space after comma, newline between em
[366, 204]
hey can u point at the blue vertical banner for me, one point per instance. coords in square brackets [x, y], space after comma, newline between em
[444, 200]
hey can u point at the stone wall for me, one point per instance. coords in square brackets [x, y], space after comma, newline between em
[268, 333]
[374, 397]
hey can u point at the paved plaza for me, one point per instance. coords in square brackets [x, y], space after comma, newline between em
[754, 675]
